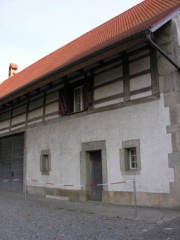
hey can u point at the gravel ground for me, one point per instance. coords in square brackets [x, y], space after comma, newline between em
[32, 219]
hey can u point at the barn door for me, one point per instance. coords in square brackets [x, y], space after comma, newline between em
[96, 175]
[11, 162]
[5, 162]
[17, 161]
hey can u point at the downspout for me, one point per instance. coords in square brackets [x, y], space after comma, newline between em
[154, 45]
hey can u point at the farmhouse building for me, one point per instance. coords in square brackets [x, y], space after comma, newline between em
[103, 109]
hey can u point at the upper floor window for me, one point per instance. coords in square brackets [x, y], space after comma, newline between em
[78, 99]
[76, 96]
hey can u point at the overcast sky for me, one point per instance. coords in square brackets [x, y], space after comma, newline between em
[31, 29]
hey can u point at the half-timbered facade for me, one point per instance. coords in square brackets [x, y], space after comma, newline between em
[100, 111]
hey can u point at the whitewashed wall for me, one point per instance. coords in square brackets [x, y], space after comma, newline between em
[108, 90]
[176, 20]
[146, 121]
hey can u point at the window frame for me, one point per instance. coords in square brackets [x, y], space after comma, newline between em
[125, 157]
[132, 155]
[81, 87]
[45, 162]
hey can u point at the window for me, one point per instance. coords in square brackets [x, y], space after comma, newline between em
[76, 96]
[132, 158]
[45, 162]
[78, 99]
[130, 161]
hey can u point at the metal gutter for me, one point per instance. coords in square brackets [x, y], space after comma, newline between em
[165, 20]
[154, 45]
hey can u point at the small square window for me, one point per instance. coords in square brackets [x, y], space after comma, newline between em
[130, 162]
[78, 99]
[45, 162]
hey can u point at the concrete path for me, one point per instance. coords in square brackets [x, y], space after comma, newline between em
[109, 210]
[112, 210]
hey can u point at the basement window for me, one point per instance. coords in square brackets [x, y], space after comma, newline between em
[45, 162]
[130, 160]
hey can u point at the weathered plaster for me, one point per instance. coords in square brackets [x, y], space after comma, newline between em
[168, 40]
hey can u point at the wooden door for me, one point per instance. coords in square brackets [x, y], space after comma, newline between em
[96, 175]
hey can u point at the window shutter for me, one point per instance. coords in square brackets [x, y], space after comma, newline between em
[87, 91]
[63, 102]
[70, 99]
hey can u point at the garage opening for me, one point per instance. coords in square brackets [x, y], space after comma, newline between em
[11, 162]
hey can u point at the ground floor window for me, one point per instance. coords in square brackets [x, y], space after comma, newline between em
[45, 162]
[130, 160]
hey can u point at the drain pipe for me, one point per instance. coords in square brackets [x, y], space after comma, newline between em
[153, 44]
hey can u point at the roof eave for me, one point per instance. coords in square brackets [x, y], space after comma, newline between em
[41, 81]
[164, 20]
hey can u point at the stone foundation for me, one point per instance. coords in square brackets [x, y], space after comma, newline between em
[159, 200]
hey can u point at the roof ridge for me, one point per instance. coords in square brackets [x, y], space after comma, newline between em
[137, 19]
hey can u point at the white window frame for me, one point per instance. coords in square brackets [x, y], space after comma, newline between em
[81, 88]
[132, 156]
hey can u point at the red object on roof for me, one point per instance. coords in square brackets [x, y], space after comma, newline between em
[145, 15]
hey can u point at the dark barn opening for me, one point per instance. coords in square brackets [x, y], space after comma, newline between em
[11, 162]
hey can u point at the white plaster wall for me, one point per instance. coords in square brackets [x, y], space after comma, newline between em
[52, 117]
[35, 121]
[36, 113]
[176, 20]
[107, 103]
[141, 53]
[108, 76]
[141, 95]
[19, 119]
[19, 126]
[4, 131]
[146, 122]
[5, 124]
[52, 107]
[52, 97]
[139, 65]
[108, 90]
[140, 82]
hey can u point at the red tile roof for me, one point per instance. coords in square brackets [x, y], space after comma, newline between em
[135, 20]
